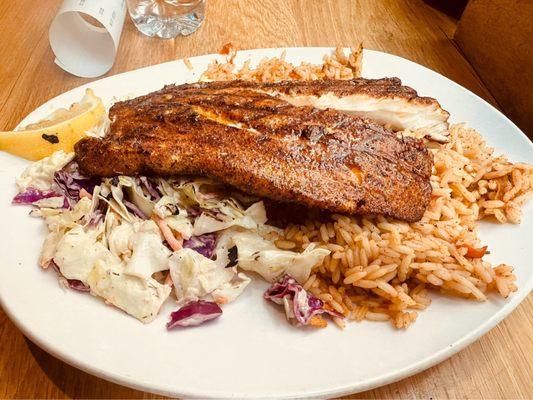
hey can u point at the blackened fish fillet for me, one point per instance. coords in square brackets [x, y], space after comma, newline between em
[265, 146]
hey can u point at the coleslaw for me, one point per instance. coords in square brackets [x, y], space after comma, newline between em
[137, 242]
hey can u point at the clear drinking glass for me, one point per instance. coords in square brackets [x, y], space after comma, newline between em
[167, 18]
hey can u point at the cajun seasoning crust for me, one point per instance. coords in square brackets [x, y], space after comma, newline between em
[384, 87]
[265, 146]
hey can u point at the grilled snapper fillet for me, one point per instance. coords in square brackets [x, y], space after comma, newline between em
[264, 146]
[385, 101]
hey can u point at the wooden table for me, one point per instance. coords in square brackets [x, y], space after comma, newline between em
[497, 366]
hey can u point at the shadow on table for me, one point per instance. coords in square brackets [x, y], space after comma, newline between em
[76, 384]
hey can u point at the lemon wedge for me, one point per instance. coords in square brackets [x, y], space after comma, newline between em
[60, 131]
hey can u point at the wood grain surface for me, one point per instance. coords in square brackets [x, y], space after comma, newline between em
[495, 36]
[497, 366]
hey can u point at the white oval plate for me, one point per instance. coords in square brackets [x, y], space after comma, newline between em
[251, 351]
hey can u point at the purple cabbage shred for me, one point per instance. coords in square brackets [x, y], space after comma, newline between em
[74, 284]
[194, 211]
[98, 214]
[134, 209]
[151, 188]
[70, 181]
[32, 195]
[194, 313]
[300, 305]
[78, 285]
[203, 244]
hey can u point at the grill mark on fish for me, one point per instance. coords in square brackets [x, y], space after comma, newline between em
[384, 100]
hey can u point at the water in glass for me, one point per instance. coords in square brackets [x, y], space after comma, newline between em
[167, 18]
